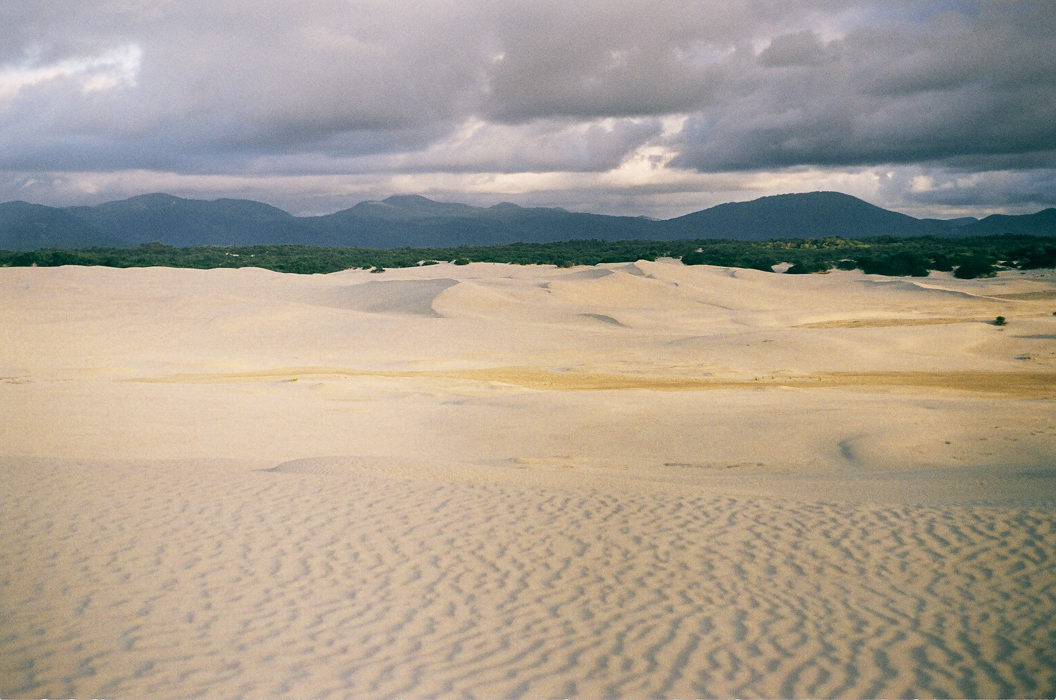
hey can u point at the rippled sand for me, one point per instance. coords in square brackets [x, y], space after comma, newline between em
[625, 481]
[143, 579]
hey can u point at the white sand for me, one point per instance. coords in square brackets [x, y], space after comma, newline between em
[489, 480]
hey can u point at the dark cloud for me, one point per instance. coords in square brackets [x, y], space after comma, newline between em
[956, 87]
[366, 87]
[802, 48]
[1018, 191]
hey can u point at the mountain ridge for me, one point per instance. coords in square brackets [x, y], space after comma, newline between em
[416, 221]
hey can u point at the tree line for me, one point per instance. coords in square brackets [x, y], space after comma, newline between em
[886, 255]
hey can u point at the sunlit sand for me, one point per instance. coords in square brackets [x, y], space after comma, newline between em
[634, 480]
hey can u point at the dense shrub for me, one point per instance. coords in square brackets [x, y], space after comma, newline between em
[974, 267]
[900, 264]
[1037, 257]
[941, 263]
[752, 260]
[808, 267]
[25, 260]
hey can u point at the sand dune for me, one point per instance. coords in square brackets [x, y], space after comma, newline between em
[645, 480]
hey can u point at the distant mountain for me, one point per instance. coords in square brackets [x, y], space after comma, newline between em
[25, 226]
[410, 207]
[189, 222]
[1041, 224]
[412, 220]
[810, 215]
[963, 221]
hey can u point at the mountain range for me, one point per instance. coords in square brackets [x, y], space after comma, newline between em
[412, 220]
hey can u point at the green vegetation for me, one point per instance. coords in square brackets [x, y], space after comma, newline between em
[886, 255]
[975, 267]
[1000, 321]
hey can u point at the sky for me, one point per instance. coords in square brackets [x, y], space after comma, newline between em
[943, 108]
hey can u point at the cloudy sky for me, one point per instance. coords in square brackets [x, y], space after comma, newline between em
[939, 108]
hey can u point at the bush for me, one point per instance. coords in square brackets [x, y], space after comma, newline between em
[26, 260]
[763, 265]
[974, 267]
[900, 264]
[726, 258]
[1042, 257]
[694, 258]
[807, 268]
[941, 263]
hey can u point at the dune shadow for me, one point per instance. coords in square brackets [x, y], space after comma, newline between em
[593, 273]
[608, 320]
[406, 297]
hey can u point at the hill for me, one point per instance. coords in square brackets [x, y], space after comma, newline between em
[809, 215]
[415, 221]
[189, 222]
[25, 226]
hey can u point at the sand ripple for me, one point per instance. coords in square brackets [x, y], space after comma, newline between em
[203, 579]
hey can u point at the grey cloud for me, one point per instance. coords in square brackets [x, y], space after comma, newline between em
[372, 87]
[256, 76]
[238, 79]
[1016, 191]
[539, 146]
[802, 48]
[622, 58]
[958, 87]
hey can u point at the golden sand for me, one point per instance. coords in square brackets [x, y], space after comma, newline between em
[1018, 384]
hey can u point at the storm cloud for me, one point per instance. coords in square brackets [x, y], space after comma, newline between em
[623, 106]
